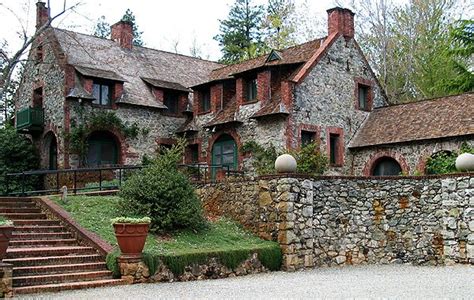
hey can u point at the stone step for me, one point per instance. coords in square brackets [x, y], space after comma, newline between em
[15, 200]
[54, 260]
[43, 242]
[16, 210]
[24, 216]
[56, 269]
[60, 278]
[27, 235]
[37, 222]
[48, 251]
[32, 229]
[67, 286]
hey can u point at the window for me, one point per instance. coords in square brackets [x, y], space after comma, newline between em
[386, 166]
[205, 101]
[102, 93]
[307, 137]
[251, 89]
[102, 149]
[171, 100]
[363, 97]
[38, 97]
[192, 154]
[333, 148]
[39, 53]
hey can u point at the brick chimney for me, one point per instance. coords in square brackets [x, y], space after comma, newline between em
[341, 20]
[42, 14]
[122, 33]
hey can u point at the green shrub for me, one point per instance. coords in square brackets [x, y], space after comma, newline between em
[264, 158]
[130, 220]
[112, 264]
[17, 154]
[164, 194]
[444, 162]
[5, 221]
[310, 160]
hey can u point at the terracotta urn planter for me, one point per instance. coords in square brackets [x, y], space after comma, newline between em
[5, 236]
[131, 237]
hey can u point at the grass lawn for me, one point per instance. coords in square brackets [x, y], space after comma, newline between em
[221, 237]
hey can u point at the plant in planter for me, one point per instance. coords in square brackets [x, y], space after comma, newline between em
[6, 229]
[131, 235]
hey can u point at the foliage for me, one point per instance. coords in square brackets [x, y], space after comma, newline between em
[102, 28]
[163, 193]
[137, 34]
[5, 222]
[96, 121]
[130, 220]
[106, 185]
[112, 264]
[309, 159]
[444, 162]
[223, 239]
[279, 24]
[240, 36]
[17, 154]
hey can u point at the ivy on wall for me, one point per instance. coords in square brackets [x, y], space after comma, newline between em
[444, 162]
[309, 159]
[96, 121]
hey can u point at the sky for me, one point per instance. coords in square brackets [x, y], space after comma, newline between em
[163, 22]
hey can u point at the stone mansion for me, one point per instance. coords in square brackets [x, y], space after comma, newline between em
[323, 90]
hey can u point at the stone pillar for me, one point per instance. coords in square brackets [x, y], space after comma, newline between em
[6, 271]
[133, 270]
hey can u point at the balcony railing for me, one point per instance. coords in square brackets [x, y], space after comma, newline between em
[30, 119]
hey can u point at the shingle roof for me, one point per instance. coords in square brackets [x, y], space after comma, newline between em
[429, 119]
[226, 116]
[85, 51]
[271, 109]
[293, 55]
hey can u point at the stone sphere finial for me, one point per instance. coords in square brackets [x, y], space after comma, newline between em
[465, 162]
[285, 163]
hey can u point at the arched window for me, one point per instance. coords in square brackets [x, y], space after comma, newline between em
[386, 166]
[102, 149]
[224, 152]
[51, 148]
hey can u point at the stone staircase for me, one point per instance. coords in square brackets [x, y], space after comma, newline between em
[45, 255]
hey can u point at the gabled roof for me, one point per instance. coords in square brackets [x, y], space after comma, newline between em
[429, 119]
[103, 56]
[294, 55]
[165, 84]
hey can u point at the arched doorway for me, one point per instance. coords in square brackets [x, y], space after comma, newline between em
[386, 166]
[224, 152]
[102, 149]
[51, 148]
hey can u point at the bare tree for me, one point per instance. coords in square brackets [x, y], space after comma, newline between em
[9, 62]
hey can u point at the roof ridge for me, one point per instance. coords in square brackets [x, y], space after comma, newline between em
[437, 98]
[149, 48]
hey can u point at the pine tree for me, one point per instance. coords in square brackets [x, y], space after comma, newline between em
[137, 35]
[240, 36]
[102, 28]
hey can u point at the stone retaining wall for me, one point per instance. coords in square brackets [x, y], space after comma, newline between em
[329, 221]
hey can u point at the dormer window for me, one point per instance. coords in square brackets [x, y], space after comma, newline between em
[251, 89]
[102, 92]
[171, 100]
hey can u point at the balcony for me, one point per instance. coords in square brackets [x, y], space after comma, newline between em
[30, 119]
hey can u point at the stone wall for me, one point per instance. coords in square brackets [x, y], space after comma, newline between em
[412, 155]
[329, 221]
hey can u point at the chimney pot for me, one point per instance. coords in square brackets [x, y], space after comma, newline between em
[341, 20]
[42, 14]
[122, 33]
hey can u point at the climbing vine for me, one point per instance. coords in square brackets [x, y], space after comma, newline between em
[445, 162]
[100, 120]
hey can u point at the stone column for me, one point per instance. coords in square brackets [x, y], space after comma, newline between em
[6, 271]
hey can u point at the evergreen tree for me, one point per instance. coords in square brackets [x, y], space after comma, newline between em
[102, 28]
[137, 34]
[240, 36]
[279, 24]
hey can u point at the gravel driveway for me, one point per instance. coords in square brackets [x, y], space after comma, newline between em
[387, 281]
